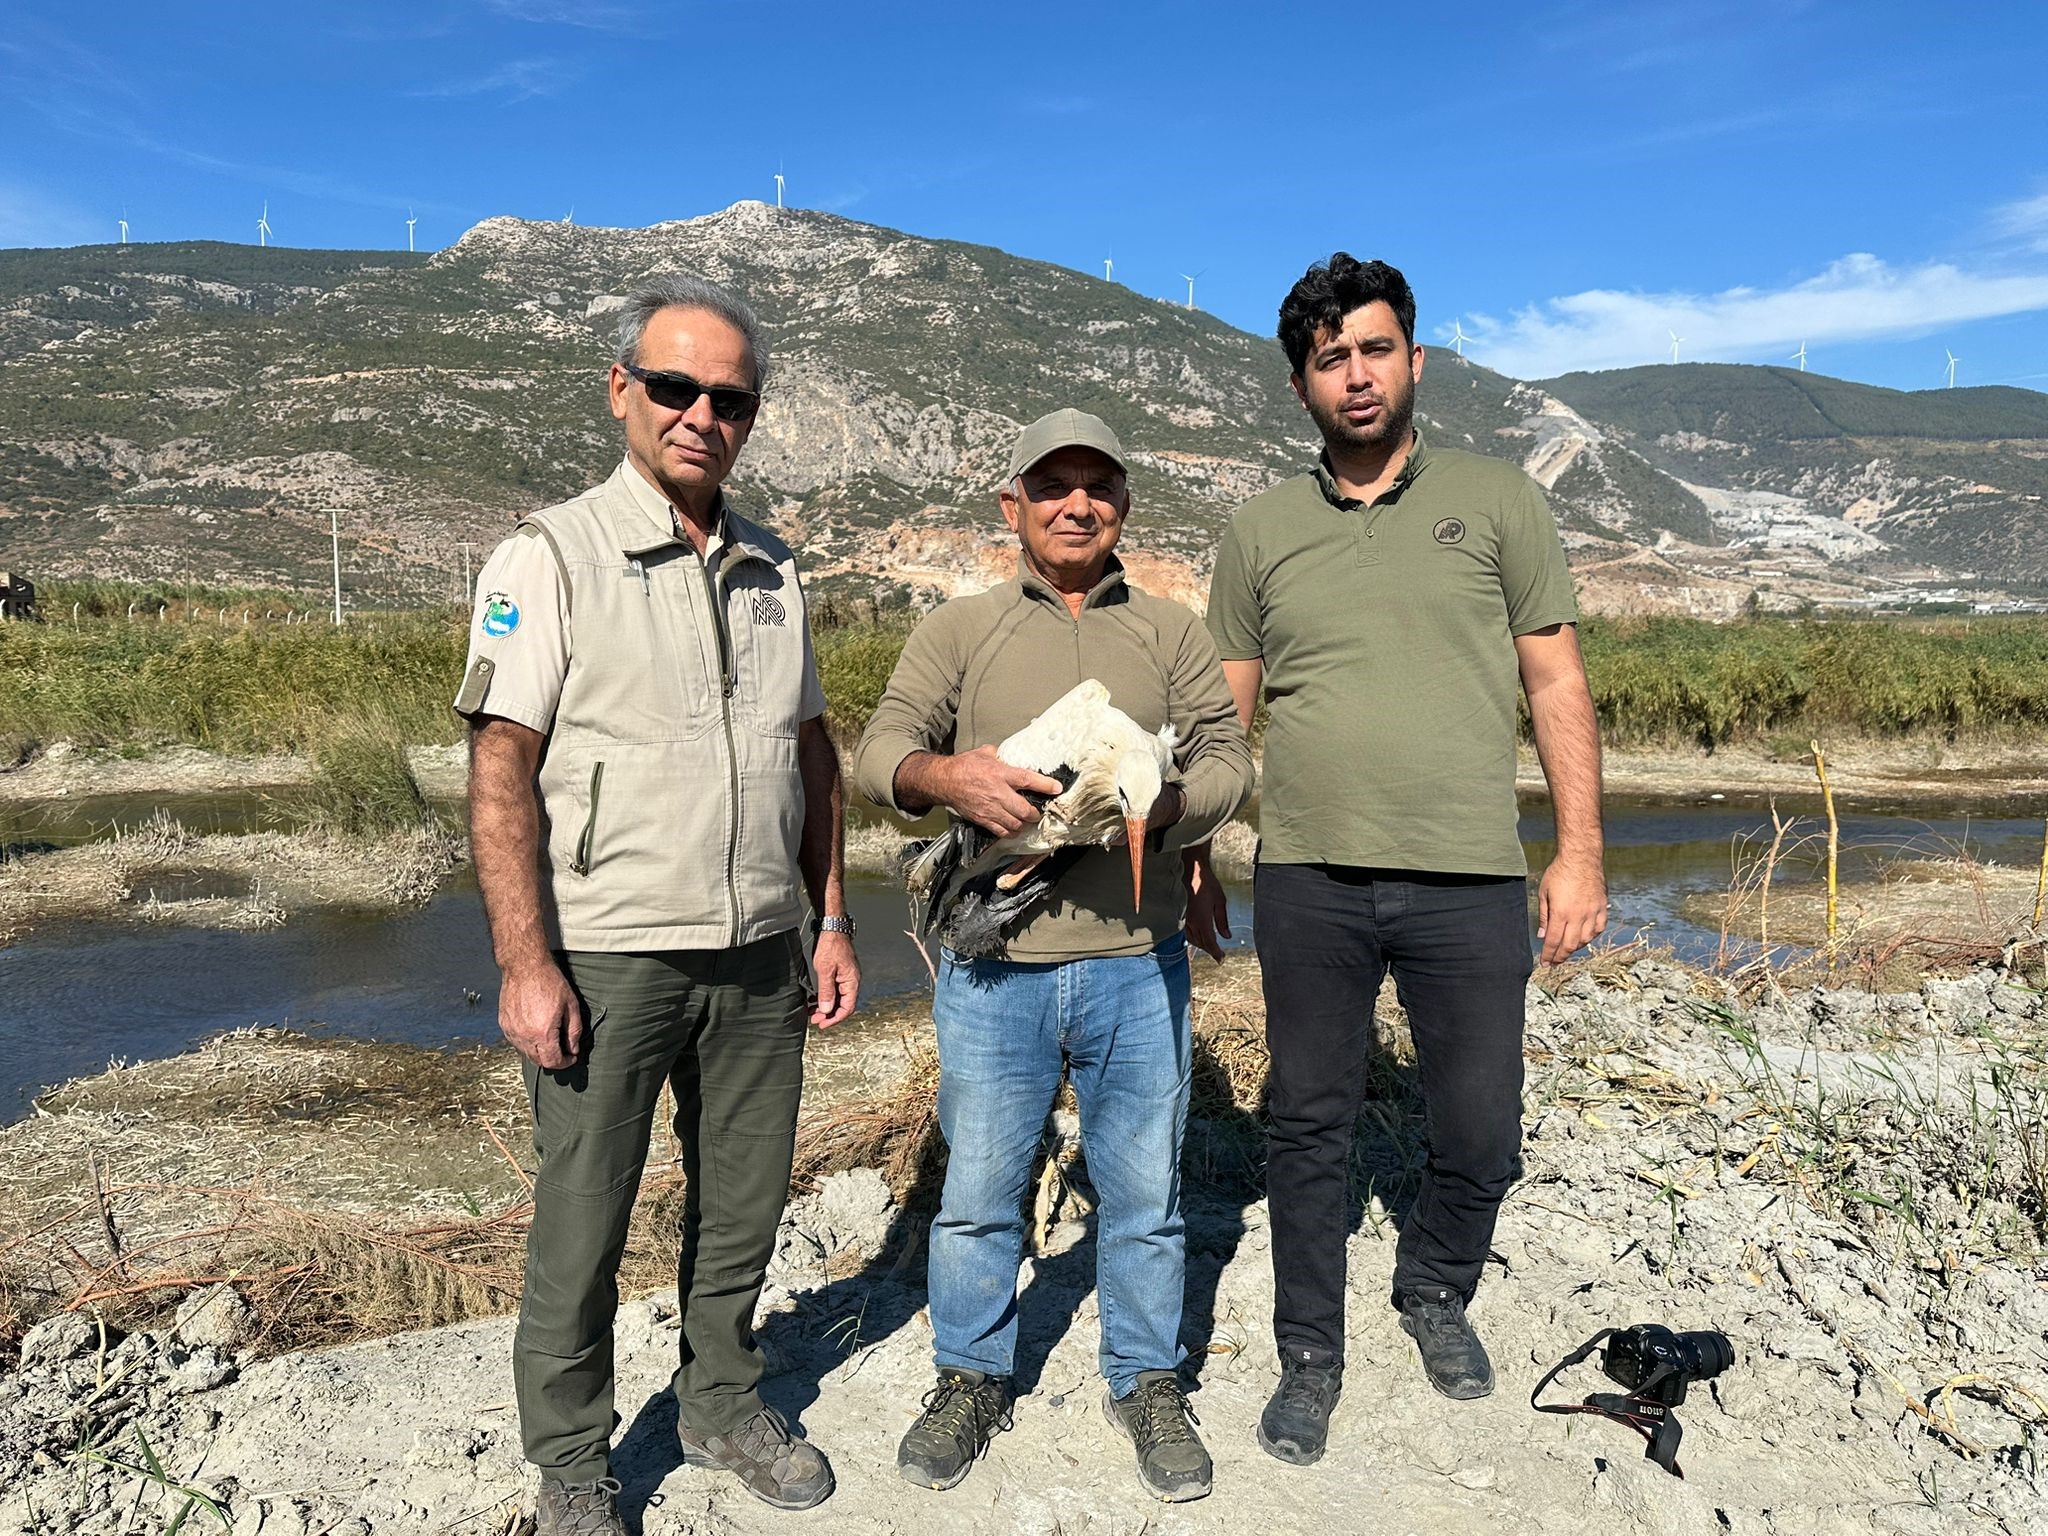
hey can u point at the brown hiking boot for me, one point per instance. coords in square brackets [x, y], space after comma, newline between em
[778, 1466]
[578, 1509]
[1157, 1419]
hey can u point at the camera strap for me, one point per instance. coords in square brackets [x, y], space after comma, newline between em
[1655, 1422]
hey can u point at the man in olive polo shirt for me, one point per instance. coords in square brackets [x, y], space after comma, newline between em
[1389, 602]
[1089, 985]
[649, 776]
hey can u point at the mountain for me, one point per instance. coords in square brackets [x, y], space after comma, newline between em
[200, 410]
[48, 295]
[1952, 478]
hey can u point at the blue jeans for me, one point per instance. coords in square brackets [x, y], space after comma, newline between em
[1119, 1025]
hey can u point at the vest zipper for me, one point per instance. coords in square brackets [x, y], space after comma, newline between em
[715, 592]
[581, 863]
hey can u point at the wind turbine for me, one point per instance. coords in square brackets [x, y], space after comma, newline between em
[1799, 357]
[1952, 361]
[778, 186]
[1108, 266]
[263, 225]
[124, 229]
[411, 219]
[1458, 337]
[569, 218]
[1191, 276]
[1675, 340]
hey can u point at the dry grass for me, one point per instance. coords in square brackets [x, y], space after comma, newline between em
[162, 872]
[1917, 917]
[349, 1190]
[897, 1132]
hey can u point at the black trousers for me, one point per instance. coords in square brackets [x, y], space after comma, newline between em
[1459, 949]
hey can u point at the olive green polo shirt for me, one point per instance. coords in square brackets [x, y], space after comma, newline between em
[1387, 636]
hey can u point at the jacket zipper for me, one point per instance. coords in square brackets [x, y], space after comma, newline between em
[581, 863]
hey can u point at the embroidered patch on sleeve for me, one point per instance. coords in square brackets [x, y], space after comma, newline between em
[501, 615]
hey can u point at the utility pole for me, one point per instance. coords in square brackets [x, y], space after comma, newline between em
[334, 525]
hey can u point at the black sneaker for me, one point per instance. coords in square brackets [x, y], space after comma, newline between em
[1296, 1424]
[1452, 1356]
[578, 1509]
[1155, 1417]
[961, 1415]
[778, 1466]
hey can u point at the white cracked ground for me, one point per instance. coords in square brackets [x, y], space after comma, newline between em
[1882, 1382]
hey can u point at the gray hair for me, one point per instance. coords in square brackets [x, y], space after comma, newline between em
[679, 290]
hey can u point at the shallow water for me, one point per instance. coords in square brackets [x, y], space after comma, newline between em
[75, 996]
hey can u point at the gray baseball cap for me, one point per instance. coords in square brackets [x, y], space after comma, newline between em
[1064, 429]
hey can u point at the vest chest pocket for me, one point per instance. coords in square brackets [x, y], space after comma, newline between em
[766, 620]
[666, 688]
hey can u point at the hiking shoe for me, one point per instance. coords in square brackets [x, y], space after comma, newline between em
[1296, 1424]
[961, 1415]
[778, 1465]
[578, 1509]
[1452, 1356]
[1155, 1417]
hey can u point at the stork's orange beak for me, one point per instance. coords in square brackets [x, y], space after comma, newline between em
[1134, 833]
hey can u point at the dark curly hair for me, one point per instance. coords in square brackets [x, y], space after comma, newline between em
[1330, 290]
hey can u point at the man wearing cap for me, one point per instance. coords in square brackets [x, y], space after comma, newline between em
[1390, 602]
[650, 778]
[1089, 985]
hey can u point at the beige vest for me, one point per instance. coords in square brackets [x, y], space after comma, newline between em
[671, 803]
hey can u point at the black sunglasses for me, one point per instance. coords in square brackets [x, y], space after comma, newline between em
[678, 392]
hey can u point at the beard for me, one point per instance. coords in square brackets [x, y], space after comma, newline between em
[1389, 431]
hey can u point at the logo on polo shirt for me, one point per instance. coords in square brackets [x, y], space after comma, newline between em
[767, 610]
[501, 615]
[1449, 531]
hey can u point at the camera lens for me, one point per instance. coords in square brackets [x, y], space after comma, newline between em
[1703, 1353]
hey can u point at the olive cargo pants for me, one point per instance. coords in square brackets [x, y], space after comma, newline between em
[726, 1028]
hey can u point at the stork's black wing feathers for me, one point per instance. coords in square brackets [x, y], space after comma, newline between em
[974, 918]
[983, 917]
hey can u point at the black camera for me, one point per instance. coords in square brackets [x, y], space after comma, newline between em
[1657, 1364]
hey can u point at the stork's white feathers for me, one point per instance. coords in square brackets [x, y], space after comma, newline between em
[1117, 769]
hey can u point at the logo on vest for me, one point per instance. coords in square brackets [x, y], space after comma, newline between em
[767, 610]
[1449, 531]
[501, 616]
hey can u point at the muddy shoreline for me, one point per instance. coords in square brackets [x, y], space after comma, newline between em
[1862, 772]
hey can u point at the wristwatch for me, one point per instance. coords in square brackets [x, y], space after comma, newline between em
[843, 925]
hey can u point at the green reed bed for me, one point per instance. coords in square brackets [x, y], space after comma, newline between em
[209, 680]
[267, 687]
[1669, 681]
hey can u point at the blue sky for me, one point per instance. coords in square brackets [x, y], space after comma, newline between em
[1568, 181]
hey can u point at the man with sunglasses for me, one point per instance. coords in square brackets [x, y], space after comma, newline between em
[1089, 986]
[652, 796]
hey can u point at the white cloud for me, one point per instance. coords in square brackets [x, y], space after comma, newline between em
[2025, 220]
[515, 80]
[1857, 298]
[593, 15]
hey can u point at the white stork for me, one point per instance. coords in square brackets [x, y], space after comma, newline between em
[1113, 769]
